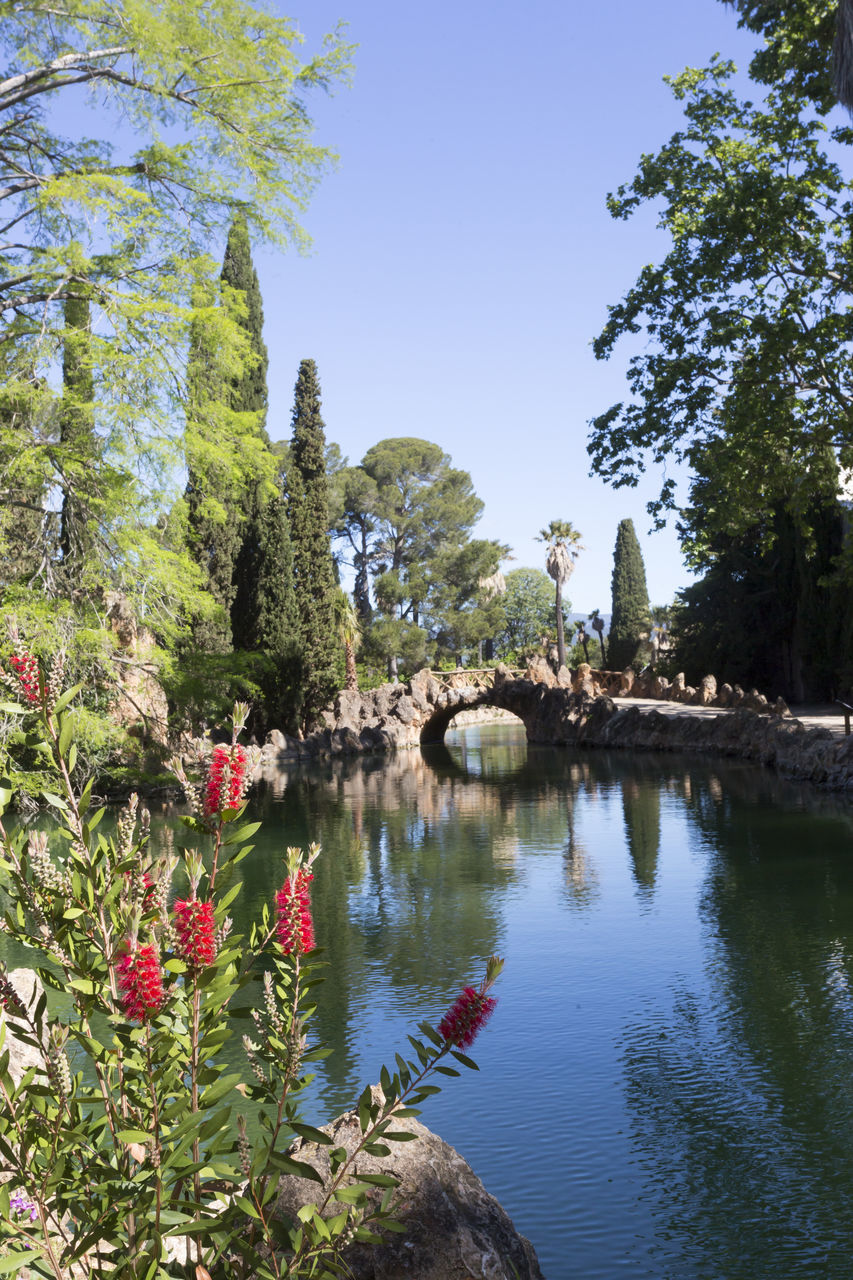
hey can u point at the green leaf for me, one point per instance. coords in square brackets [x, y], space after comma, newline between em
[311, 1134]
[56, 801]
[133, 1135]
[465, 1060]
[379, 1179]
[18, 1261]
[295, 1167]
[63, 701]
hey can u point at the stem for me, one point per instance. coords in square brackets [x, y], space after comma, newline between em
[155, 1108]
[194, 1104]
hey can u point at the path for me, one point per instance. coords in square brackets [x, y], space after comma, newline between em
[825, 715]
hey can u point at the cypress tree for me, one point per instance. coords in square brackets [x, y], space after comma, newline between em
[248, 387]
[247, 556]
[630, 601]
[213, 511]
[313, 567]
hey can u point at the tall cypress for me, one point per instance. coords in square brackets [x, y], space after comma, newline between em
[247, 558]
[630, 606]
[248, 388]
[313, 567]
[213, 509]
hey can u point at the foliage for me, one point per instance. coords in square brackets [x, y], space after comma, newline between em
[466, 610]
[313, 568]
[803, 46]
[210, 100]
[772, 609]
[748, 319]
[406, 516]
[563, 544]
[528, 612]
[140, 1152]
[630, 617]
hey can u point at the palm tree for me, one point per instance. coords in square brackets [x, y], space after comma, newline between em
[349, 632]
[564, 547]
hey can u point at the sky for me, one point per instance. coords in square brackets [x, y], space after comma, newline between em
[463, 257]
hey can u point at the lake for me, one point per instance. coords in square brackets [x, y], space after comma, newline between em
[666, 1085]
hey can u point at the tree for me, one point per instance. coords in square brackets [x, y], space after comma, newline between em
[748, 316]
[630, 621]
[210, 100]
[528, 612]
[349, 632]
[808, 45]
[357, 525]
[313, 567]
[772, 609]
[564, 547]
[407, 515]
[465, 607]
[77, 442]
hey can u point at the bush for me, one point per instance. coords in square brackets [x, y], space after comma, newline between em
[146, 1147]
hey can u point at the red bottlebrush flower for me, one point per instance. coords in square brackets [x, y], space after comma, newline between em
[226, 779]
[295, 929]
[26, 668]
[465, 1017]
[140, 982]
[194, 927]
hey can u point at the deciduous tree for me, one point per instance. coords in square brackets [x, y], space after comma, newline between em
[748, 316]
[200, 111]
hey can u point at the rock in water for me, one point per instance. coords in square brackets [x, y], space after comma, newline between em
[455, 1230]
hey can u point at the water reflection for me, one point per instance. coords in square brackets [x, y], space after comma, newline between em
[743, 1114]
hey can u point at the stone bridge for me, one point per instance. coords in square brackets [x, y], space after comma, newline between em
[570, 710]
[407, 715]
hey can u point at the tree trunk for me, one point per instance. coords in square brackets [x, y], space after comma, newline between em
[392, 670]
[351, 671]
[561, 639]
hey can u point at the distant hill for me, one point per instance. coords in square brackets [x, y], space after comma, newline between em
[584, 617]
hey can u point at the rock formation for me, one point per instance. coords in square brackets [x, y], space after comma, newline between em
[454, 1230]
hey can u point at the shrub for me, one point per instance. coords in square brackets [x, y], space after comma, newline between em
[146, 1147]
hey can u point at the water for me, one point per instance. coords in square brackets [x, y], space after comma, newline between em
[665, 1086]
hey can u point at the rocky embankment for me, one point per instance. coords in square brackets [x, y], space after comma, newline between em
[585, 708]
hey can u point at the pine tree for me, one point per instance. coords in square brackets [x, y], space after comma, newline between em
[313, 566]
[630, 606]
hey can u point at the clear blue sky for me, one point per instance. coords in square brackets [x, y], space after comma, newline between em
[463, 256]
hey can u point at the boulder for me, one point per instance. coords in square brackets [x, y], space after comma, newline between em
[660, 687]
[540, 672]
[626, 681]
[707, 691]
[725, 694]
[454, 1230]
[677, 687]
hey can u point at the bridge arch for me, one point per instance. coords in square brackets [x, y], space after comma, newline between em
[482, 691]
